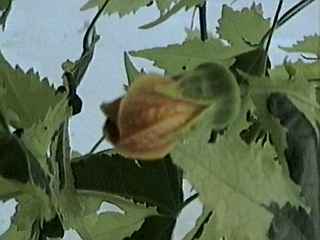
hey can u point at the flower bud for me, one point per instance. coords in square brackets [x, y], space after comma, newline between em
[145, 124]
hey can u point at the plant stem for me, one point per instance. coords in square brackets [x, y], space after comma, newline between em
[86, 44]
[293, 11]
[274, 24]
[287, 16]
[310, 58]
[203, 21]
[95, 146]
[189, 200]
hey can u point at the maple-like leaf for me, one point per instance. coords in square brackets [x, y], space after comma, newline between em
[120, 7]
[310, 44]
[23, 93]
[236, 181]
[239, 26]
[5, 8]
[187, 4]
[164, 5]
[200, 225]
[92, 224]
[33, 205]
[131, 70]
[167, 8]
[297, 88]
[177, 58]
[38, 137]
[267, 95]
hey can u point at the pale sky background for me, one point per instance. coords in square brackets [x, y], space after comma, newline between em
[43, 34]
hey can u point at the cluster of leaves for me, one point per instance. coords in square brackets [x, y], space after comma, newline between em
[247, 178]
[167, 8]
[249, 170]
[36, 166]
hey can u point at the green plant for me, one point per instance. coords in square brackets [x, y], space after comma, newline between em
[244, 134]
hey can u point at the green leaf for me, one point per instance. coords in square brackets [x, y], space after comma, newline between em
[163, 226]
[60, 159]
[14, 233]
[293, 224]
[113, 225]
[199, 228]
[254, 62]
[27, 98]
[132, 6]
[4, 129]
[3, 62]
[195, 34]
[164, 5]
[13, 159]
[38, 137]
[310, 71]
[302, 158]
[5, 8]
[120, 7]
[176, 58]
[236, 181]
[9, 188]
[176, 8]
[18, 164]
[33, 205]
[75, 71]
[75, 154]
[300, 92]
[132, 72]
[310, 44]
[192, 34]
[4, 4]
[115, 174]
[238, 26]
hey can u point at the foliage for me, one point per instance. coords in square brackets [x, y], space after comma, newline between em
[310, 44]
[5, 7]
[167, 8]
[245, 135]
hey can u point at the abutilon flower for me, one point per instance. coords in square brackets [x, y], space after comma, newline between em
[147, 122]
